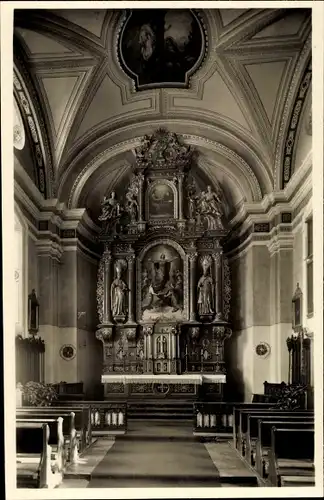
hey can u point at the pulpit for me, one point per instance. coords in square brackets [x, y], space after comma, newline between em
[164, 285]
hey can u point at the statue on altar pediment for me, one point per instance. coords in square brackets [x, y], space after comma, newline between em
[210, 209]
[111, 210]
[163, 150]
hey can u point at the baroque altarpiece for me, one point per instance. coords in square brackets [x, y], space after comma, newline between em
[163, 290]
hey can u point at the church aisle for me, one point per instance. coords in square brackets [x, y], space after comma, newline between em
[156, 455]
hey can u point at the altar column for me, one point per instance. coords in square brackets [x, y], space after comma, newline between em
[180, 196]
[148, 365]
[131, 260]
[192, 284]
[140, 197]
[107, 259]
[218, 266]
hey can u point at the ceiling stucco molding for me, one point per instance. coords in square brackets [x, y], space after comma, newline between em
[245, 26]
[80, 88]
[297, 111]
[256, 112]
[47, 23]
[268, 130]
[39, 57]
[166, 98]
[196, 91]
[302, 63]
[30, 109]
[295, 41]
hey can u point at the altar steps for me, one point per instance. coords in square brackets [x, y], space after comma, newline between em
[160, 410]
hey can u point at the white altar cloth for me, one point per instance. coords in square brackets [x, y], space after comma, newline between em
[168, 379]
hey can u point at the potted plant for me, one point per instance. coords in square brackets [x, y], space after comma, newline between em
[38, 393]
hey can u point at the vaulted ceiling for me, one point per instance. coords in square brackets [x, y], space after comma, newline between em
[236, 111]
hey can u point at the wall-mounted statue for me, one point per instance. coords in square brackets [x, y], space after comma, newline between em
[206, 288]
[118, 292]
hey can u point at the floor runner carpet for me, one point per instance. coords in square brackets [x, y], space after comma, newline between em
[155, 463]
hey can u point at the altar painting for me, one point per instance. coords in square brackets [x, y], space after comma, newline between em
[161, 201]
[162, 285]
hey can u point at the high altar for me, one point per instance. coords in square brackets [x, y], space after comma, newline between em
[164, 288]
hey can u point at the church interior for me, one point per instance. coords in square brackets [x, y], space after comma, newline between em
[163, 262]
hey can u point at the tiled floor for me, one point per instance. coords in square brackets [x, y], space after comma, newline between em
[157, 454]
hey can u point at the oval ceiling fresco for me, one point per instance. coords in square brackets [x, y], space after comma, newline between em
[161, 47]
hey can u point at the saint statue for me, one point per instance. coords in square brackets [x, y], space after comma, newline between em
[33, 312]
[118, 293]
[110, 207]
[210, 207]
[205, 290]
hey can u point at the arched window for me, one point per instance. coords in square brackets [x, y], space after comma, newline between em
[20, 275]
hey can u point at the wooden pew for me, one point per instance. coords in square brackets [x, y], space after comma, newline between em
[218, 417]
[72, 445]
[263, 443]
[82, 420]
[106, 416]
[291, 454]
[56, 438]
[243, 419]
[86, 420]
[34, 456]
[237, 407]
[252, 429]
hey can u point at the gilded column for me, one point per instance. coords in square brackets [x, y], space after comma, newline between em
[218, 266]
[192, 284]
[131, 281]
[107, 259]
